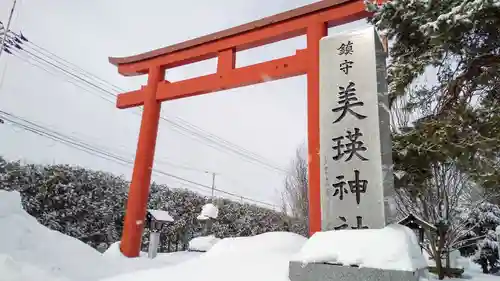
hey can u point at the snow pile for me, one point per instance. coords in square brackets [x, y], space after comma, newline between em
[208, 211]
[456, 260]
[23, 241]
[11, 270]
[113, 254]
[394, 247]
[261, 257]
[203, 244]
[29, 251]
[274, 242]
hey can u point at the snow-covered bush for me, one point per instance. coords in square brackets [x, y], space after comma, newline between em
[487, 254]
[89, 205]
[481, 221]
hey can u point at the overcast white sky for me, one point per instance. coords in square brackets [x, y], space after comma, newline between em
[269, 119]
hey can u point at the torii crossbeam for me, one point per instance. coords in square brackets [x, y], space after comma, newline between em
[311, 20]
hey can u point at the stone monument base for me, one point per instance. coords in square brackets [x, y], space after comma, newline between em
[334, 272]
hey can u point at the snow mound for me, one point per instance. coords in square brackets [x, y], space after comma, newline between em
[203, 244]
[456, 260]
[261, 257]
[208, 211]
[113, 254]
[29, 242]
[278, 242]
[12, 270]
[394, 247]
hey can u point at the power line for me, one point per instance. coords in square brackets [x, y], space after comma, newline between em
[157, 159]
[6, 29]
[19, 43]
[81, 145]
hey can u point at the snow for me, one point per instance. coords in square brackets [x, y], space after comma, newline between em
[202, 244]
[456, 261]
[12, 270]
[160, 215]
[394, 247]
[113, 254]
[29, 251]
[429, 225]
[261, 257]
[28, 242]
[497, 230]
[208, 211]
[279, 242]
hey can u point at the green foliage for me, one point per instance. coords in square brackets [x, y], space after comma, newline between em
[89, 205]
[458, 41]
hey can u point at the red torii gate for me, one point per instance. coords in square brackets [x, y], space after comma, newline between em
[312, 20]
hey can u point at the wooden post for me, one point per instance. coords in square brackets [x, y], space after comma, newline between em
[141, 177]
[314, 33]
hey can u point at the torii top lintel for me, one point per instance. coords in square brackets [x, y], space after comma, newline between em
[225, 44]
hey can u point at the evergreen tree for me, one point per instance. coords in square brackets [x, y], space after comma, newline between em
[487, 253]
[456, 44]
[90, 205]
[479, 222]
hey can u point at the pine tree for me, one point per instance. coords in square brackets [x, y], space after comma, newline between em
[456, 44]
[459, 42]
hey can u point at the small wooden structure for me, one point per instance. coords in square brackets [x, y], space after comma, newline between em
[419, 226]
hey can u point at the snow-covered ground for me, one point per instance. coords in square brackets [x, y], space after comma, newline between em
[29, 252]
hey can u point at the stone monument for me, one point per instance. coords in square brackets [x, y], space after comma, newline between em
[357, 181]
[355, 140]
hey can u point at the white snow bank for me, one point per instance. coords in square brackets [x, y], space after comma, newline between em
[12, 270]
[456, 260]
[28, 247]
[203, 243]
[114, 254]
[161, 215]
[25, 241]
[277, 242]
[261, 257]
[208, 211]
[250, 267]
[394, 247]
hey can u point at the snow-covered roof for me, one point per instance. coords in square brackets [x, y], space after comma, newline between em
[160, 215]
[394, 247]
[420, 221]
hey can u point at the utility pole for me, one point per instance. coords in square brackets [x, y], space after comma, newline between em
[497, 232]
[213, 186]
[7, 28]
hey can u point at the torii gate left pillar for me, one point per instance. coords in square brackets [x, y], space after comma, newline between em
[312, 20]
